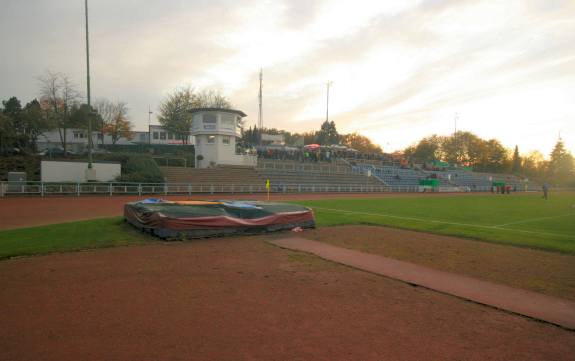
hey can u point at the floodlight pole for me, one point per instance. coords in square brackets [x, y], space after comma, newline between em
[327, 102]
[90, 143]
[149, 126]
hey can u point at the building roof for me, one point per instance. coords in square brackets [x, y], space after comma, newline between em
[238, 112]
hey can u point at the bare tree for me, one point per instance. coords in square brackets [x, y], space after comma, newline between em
[119, 126]
[58, 95]
[213, 99]
[105, 108]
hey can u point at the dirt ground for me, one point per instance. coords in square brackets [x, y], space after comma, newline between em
[243, 299]
[17, 212]
[545, 272]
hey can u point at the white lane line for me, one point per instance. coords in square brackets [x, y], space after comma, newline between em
[534, 219]
[443, 222]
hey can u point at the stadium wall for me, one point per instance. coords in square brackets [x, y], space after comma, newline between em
[63, 171]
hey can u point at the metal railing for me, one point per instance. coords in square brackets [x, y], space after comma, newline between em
[124, 188]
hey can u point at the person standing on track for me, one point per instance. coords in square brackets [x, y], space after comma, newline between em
[545, 190]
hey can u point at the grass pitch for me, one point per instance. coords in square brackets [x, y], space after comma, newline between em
[524, 220]
[73, 236]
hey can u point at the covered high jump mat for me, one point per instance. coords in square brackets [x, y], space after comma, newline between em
[199, 219]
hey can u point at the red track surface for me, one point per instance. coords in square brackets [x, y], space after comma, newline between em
[532, 304]
[16, 212]
[243, 299]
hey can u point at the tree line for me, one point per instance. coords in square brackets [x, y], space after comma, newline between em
[59, 107]
[467, 149]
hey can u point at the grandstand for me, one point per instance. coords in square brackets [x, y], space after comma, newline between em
[226, 175]
[340, 174]
[473, 181]
[284, 176]
[336, 175]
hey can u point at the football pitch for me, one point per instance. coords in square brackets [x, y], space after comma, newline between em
[524, 220]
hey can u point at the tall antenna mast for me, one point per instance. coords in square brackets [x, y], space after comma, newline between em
[260, 114]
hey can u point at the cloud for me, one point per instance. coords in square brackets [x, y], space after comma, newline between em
[395, 65]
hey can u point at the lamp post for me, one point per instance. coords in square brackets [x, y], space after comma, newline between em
[149, 126]
[327, 102]
[90, 143]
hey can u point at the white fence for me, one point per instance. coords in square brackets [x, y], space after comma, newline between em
[115, 188]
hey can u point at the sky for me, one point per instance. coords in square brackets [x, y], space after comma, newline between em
[401, 70]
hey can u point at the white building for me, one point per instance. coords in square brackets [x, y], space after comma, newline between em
[162, 136]
[215, 132]
[76, 140]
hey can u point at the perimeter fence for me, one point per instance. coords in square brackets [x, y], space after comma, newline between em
[125, 188]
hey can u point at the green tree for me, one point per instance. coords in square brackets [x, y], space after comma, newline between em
[561, 168]
[7, 133]
[11, 124]
[360, 143]
[175, 110]
[516, 161]
[534, 165]
[23, 124]
[175, 115]
[462, 148]
[495, 157]
[328, 134]
[251, 136]
[426, 151]
[34, 124]
[310, 137]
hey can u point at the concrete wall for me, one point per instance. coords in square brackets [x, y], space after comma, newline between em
[57, 171]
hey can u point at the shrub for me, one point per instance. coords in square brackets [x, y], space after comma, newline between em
[140, 168]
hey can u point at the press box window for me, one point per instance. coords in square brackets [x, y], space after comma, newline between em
[211, 139]
[209, 121]
[227, 121]
[226, 140]
[156, 136]
[163, 135]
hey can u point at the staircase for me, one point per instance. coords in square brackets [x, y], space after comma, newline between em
[221, 175]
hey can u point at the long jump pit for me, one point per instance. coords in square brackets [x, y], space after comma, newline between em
[200, 219]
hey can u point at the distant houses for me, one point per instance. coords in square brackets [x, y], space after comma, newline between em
[77, 139]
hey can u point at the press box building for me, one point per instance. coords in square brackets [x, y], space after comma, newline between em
[215, 133]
